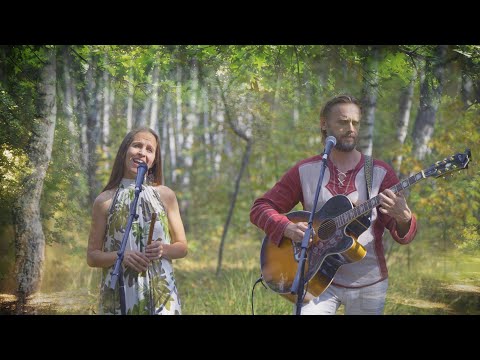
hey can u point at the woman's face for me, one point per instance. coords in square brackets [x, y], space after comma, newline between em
[142, 149]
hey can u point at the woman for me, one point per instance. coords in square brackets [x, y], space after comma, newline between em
[156, 238]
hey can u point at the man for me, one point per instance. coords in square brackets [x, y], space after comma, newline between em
[362, 285]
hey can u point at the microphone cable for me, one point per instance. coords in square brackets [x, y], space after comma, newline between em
[259, 280]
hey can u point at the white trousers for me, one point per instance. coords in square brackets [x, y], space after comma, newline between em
[368, 300]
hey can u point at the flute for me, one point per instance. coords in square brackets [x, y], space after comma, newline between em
[150, 234]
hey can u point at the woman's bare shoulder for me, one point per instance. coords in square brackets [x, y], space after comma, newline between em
[167, 194]
[104, 199]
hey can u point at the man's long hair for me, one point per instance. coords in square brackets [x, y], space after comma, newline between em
[155, 175]
[339, 99]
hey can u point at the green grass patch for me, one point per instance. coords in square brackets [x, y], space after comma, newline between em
[421, 281]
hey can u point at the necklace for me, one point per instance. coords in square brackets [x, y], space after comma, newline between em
[341, 176]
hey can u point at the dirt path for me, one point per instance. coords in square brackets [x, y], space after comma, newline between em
[60, 303]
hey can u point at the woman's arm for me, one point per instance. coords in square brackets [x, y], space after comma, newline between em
[178, 246]
[96, 257]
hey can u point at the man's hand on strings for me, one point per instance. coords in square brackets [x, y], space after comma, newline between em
[296, 231]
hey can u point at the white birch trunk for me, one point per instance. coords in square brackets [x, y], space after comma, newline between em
[431, 90]
[296, 103]
[142, 119]
[154, 112]
[29, 236]
[83, 130]
[219, 137]
[172, 146]
[68, 100]
[130, 101]
[107, 104]
[191, 123]
[164, 136]
[93, 97]
[179, 116]
[207, 131]
[405, 106]
[370, 90]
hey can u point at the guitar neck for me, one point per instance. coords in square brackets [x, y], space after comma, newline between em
[350, 215]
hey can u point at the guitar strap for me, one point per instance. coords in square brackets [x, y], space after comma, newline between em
[368, 176]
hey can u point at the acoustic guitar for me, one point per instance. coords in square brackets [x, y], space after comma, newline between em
[336, 226]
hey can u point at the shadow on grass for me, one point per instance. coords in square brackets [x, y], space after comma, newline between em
[428, 296]
[460, 298]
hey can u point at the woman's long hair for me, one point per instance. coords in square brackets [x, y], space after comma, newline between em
[155, 175]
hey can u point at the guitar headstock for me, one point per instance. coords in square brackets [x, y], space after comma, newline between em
[452, 163]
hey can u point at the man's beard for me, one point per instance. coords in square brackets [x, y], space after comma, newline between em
[343, 147]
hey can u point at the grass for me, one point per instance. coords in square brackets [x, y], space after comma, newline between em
[204, 293]
[426, 283]
[437, 283]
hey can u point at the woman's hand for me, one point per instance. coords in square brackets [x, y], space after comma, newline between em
[135, 260]
[154, 251]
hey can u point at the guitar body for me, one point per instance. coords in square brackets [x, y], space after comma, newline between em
[330, 249]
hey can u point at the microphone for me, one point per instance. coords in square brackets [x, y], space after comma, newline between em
[330, 142]
[141, 170]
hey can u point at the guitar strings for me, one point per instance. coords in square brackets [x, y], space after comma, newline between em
[328, 225]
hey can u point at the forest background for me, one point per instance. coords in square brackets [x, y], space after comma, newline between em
[231, 119]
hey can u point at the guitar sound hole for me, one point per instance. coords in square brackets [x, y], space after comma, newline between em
[326, 229]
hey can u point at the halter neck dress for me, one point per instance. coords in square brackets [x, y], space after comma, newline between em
[153, 292]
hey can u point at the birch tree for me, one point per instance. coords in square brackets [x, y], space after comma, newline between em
[130, 100]
[431, 89]
[370, 93]
[29, 236]
[93, 98]
[404, 108]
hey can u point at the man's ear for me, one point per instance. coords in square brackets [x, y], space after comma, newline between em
[323, 123]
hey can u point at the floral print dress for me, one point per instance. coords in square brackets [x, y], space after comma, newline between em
[153, 292]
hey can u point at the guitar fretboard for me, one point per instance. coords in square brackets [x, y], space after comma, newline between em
[368, 205]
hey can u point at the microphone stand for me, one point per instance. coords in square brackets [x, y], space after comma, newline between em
[117, 272]
[298, 284]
